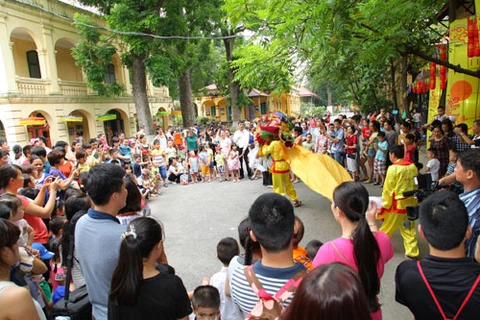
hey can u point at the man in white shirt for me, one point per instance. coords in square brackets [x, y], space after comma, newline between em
[241, 138]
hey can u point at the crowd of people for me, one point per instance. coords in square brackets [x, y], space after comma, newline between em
[59, 205]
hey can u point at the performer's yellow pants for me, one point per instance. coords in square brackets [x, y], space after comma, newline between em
[279, 180]
[393, 221]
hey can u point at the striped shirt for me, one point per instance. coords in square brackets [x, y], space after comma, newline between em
[471, 200]
[272, 280]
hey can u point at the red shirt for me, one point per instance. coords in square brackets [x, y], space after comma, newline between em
[351, 141]
[366, 133]
[39, 227]
[409, 154]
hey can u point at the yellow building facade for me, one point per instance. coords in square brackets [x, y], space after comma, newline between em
[39, 78]
[214, 106]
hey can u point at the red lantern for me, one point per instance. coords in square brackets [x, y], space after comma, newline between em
[470, 48]
[419, 87]
[443, 53]
[470, 28]
[414, 88]
[433, 67]
[443, 81]
[443, 70]
[432, 83]
[476, 48]
[475, 28]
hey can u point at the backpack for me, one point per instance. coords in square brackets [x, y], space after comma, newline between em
[270, 307]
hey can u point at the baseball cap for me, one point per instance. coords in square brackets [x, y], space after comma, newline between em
[44, 253]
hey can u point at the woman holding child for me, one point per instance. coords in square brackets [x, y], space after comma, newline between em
[11, 180]
[361, 245]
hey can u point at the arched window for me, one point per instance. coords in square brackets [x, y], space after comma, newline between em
[110, 74]
[33, 65]
[214, 111]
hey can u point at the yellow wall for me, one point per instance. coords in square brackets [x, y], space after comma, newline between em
[67, 70]
[20, 48]
[462, 94]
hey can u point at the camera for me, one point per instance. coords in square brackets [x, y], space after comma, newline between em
[426, 187]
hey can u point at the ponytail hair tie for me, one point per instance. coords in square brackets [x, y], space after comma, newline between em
[130, 233]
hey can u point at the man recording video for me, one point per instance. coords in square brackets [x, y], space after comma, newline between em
[467, 172]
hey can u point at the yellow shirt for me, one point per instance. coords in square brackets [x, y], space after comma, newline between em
[83, 167]
[279, 164]
[400, 178]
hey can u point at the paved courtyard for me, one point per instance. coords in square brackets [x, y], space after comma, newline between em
[197, 216]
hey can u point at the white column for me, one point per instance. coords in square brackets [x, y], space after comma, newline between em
[7, 63]
[48, 62]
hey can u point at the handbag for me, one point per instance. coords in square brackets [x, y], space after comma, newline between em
[75, 304]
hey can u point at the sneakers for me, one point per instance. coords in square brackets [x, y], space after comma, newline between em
[297, 203]
[165, 185]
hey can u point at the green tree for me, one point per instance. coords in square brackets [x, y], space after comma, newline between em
[167, 60]
[354, 45]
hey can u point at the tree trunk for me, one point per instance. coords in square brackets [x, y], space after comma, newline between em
[186, 99]
[234, 85]
[403, 85]
[329, 96]
[140, 98]
[393, 84]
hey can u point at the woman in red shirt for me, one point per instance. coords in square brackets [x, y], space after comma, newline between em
[11, 180]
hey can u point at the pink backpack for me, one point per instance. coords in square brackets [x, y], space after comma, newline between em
[270, 307]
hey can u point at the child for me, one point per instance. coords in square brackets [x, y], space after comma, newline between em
[433, 165]
[351, 152]
[56, 226]
[156, 177]
[220, 160]
[137, 165]
[145, 183]
[82, 164]
[380, 163]
[125, 148]
[331, 133]
[234, 164]
[15, 207]
[308, 144]
[193, 165]
[206, 303]
[409, 147]
[312, 248]
[170, 150]
[114, 157]
[452, 164]
[159, 158]
[299, 253]
[227, 248]
[203, 158]
[211, 160]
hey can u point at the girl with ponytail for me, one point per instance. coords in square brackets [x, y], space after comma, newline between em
[361, 245]
[138, 289]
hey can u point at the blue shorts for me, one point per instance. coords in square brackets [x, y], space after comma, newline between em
[371, 153]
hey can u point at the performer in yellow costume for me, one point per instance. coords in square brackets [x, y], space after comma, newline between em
[400, 178]
[280, 172]
[319, 172]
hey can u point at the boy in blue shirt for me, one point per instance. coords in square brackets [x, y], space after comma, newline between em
[380, 163]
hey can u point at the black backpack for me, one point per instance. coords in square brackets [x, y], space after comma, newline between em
[75, 304]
